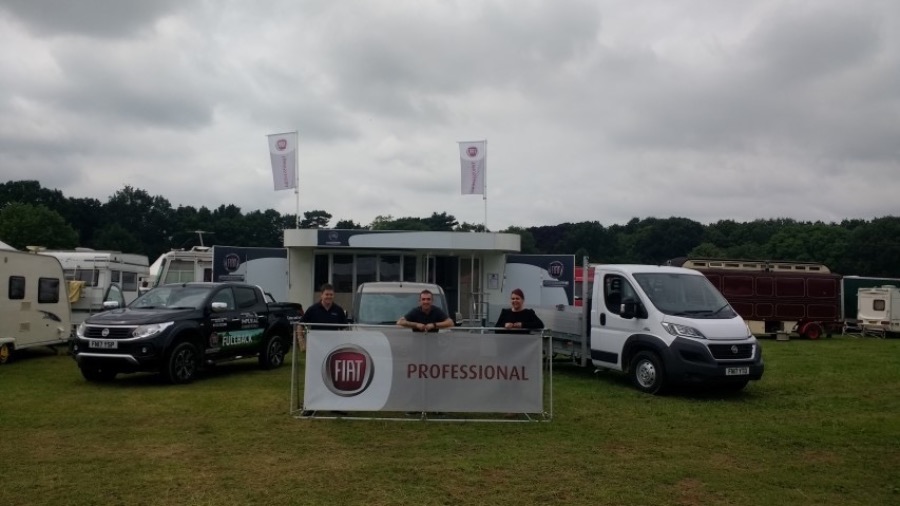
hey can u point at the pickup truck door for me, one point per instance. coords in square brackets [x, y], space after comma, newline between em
[233, 331]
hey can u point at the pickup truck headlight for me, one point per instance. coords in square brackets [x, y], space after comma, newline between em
[149, 330]
[676, 329]
[80, 330]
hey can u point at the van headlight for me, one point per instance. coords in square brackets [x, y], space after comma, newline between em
[676, 329]
[149, 330]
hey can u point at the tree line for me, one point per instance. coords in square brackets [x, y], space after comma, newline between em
[133, 221]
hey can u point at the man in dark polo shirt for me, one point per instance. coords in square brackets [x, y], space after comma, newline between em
[426, 317]
[325, 311]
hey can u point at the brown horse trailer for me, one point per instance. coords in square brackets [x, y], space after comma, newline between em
[775, 296]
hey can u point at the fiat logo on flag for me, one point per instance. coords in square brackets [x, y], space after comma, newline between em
[281, 144]
[472, 151]
[555, 269]
[347, 371]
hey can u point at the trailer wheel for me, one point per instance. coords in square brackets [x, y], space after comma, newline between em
[5, 353]
[181, 364]
[272, 355]
[647, 373]
[97, 375]
[813, 331]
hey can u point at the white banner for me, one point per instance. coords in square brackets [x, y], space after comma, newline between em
[399, 370]
[472, 157]
[283, 152]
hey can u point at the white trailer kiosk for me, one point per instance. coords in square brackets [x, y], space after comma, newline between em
[34, 308]
[95, 277]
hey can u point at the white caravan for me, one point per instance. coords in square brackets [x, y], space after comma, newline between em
[878, 310]
[95, 277]
[34, 307]
[180, 266]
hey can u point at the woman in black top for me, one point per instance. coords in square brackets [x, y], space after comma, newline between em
[516, 319]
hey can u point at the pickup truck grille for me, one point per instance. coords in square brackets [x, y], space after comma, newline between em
[731, 351]
[96, 332]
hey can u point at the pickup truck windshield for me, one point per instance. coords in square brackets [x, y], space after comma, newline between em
[387, 308]
[172, 296]
[685, 295]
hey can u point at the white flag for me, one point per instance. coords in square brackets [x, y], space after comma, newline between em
[283, 151]
[472, 159]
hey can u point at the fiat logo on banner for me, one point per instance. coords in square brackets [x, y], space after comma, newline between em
[555, 269]
[281, 145]
[472, 151]
[347, 371]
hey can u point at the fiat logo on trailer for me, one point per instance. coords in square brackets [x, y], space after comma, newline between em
[555, 269]
[281, 144]
[232, 262]
[347, 371]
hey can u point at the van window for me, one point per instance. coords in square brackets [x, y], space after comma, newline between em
[48, 290]
[16, 288]
[615, 290]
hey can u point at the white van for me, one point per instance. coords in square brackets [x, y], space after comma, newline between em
[661, 326]
[34, 306]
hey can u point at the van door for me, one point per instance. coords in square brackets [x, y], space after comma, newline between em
[609, 329]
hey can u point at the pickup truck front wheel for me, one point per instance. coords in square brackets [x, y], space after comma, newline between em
[272, 355]
[181, 364]
[647, 373]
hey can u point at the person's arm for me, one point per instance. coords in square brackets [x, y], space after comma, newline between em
[503, 319]
[446, 323]
[406, 321]
[533, 321]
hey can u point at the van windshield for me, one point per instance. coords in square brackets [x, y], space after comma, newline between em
[686, 295]
[387, 308]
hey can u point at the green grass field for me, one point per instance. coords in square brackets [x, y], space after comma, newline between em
[821, 428]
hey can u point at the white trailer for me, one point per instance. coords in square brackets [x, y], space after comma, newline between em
[34, 306]
[95, 277]
[878, 310]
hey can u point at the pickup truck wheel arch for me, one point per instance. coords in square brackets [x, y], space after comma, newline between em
[181, 363]
[273, 352]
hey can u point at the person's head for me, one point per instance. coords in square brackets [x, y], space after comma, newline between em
[326, 294]
[425, 300]
[516, 299]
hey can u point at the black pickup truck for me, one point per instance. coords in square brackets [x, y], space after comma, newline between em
[175, 329]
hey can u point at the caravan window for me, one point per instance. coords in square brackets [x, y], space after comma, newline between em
[115, 276]
[129, 281]
[90, 277]
[16, 288]
[48, 290]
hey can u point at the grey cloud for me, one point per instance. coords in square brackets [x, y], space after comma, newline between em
[90, 18]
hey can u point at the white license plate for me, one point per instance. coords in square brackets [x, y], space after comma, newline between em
[109, 345]
[737, 371]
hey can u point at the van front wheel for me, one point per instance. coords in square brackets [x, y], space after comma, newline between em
[647, 373]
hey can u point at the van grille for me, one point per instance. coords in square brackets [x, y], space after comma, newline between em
[96, 332]
[731, 351]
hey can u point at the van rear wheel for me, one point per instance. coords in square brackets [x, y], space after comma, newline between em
[647, 373]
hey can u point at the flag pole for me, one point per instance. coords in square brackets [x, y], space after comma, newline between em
[297, 180]
[484, 186]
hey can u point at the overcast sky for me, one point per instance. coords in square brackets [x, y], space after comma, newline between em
[593, 110]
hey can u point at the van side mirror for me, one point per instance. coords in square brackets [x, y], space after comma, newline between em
[628, 309]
